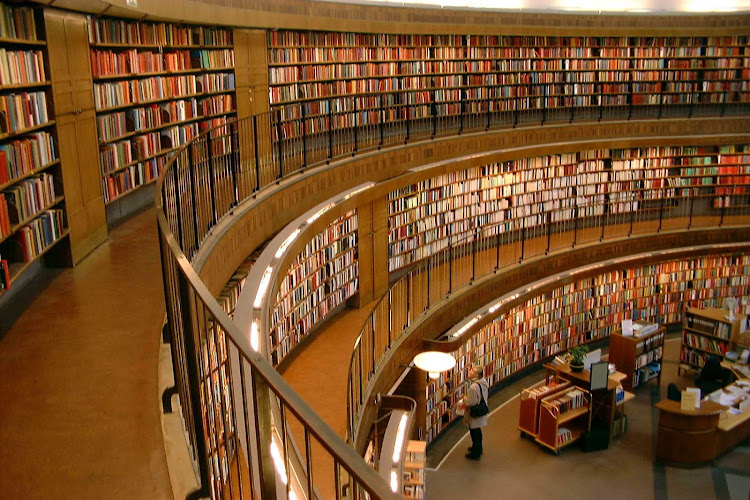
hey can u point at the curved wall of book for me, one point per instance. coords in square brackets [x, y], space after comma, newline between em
[525, 327]
[220, 201]
[470, 224]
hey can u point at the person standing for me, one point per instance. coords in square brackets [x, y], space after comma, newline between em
[478, 391]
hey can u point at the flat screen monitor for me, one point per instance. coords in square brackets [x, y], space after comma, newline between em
[591, 358]
[599, 375]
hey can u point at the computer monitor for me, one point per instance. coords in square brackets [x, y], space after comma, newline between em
[599, 375]
[591, 358]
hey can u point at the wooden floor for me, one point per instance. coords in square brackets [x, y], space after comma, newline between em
[79, 405]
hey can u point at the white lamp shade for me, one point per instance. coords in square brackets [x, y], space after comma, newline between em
[434, 362]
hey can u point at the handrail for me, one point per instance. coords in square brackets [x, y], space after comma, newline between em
[379, 341]
[193, 315]
[224, 387]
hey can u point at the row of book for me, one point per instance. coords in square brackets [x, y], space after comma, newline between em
[283, 342]
[457, 207]
[21, 67]
[127, 92]
[29, 197]
[323, 274]
[710, 327]
[5, 223]
[519, 331]
[22, 110]
[17, 22]
[120, 31]
[20, 157]
[36, 236]
[648, 357]
[107, 63]
[134, 176]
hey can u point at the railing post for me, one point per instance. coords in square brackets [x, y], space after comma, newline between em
[450, 267]
[263, 432]
[382, 121]
[279, 148]
[330, 131]
[257, 157]
[211, 183]
[661, 213]
[235, 160]
[523, 237]
[406, 139]
[356, 125]
[690, 217]
[188, 151]
[474, 254]
[549, 232]
[304, 136]
[193, 385]
[193, 190]
[497, 249]
[489, 108]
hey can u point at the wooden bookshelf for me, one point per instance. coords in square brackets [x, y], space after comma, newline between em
[345, 80]
[322, 277]
[706, 332]
[156, 87]
[482, 203]
[563, 418]
[580, 312]
[632, 355]
[32, 199]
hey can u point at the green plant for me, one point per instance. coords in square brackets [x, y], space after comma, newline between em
[577, 353]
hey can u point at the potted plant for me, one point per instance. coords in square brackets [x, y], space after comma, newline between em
[576, 354]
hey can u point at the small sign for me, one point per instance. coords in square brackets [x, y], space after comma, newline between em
[690, 399]
[132, 3]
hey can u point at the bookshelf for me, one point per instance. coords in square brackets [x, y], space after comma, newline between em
[706, 332]
[530, 403]
[32, 201]
[345, 80]
[156, 86]
[563, 418]
[322, 277]
[644, 184]
[413, 469]
[579, 312]
[633, 355]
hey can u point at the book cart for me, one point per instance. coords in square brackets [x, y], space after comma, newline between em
[563, 418]
[530, 404]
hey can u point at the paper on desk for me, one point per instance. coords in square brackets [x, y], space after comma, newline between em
[727, 399]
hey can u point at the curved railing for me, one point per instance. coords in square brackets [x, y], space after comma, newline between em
[495, 247]
[250, 434]
[225, 387]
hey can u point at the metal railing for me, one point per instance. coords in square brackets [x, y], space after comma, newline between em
[224, 387]
[488, 249]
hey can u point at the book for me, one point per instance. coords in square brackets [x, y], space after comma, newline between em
[4, 275]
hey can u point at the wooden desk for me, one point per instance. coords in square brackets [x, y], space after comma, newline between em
[733, 368]
[687, 436]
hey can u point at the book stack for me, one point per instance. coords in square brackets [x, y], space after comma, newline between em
[570, 401]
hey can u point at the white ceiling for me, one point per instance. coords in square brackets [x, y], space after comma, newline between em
[594, 6]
